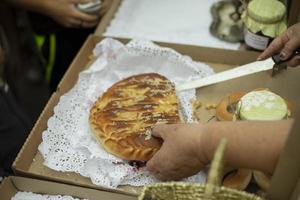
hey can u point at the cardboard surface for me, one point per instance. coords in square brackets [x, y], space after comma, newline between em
[286, 179]
[296, 193]
[13, 184]
[30, 162]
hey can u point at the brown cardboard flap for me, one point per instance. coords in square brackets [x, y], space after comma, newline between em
[12, 185]
[287, 173]
[30, 162]
[296, 193]
[7, 189]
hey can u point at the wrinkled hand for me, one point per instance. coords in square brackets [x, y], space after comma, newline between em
[285, 44]
[65, 13]
[181, 154]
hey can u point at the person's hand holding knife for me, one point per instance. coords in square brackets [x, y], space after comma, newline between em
[285, 44]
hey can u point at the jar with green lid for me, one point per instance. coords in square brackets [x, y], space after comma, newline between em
[264, 20]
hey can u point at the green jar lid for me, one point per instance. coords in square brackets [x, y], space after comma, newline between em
[267, 16]
[266, 11]
[262, 105]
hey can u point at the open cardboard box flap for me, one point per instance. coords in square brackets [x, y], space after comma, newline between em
[30, 162]
[14, 184]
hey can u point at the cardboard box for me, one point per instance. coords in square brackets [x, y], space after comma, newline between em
[13, 184]
[30, 162]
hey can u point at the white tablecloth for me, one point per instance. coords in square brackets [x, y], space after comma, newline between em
[175, 21]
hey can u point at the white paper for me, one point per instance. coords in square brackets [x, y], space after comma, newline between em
[174, 21]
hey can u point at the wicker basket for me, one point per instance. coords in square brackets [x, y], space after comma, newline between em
[188, 191]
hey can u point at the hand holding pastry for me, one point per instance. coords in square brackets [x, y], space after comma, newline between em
[187, 148]
[181, 153]
[285, 44]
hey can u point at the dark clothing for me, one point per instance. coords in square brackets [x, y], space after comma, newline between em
[68, 43]
[14, 124]
[14, 128]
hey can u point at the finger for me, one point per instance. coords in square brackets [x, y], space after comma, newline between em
[168, 176]
[159, 175]
[162, 177]
[88, 24]
[151, 165]
[71, 23]
[85, 17]
[155, 164]
[295, 61]
[274, 47]
[159, 130]
[289, 48]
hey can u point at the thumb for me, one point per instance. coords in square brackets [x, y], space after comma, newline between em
[159, 131]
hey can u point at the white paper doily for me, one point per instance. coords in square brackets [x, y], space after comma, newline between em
[68, 145]
[175, 21]
[33, 196]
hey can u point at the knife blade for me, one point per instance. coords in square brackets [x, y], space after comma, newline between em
[274, 63]
[237, 72]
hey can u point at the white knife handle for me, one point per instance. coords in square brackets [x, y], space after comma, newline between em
[244, 70]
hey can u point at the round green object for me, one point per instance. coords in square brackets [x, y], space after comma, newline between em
[266, 11]
[262, 105]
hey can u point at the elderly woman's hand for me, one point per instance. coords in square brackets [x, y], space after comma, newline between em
[285, 45]
[181, 154]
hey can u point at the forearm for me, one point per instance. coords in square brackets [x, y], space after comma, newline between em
[254, 145]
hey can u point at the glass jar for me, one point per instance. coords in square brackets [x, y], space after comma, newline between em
[264, 20]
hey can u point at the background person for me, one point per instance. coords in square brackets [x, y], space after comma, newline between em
[63, 21]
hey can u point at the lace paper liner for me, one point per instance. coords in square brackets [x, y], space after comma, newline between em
[33, 196]
[68, 145]
[174, 21]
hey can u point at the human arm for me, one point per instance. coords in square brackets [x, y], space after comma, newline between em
[188, 148]
[62, 11]
[285, 45]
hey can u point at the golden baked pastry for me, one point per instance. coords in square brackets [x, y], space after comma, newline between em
[238, 179]
[122, 118]
[262, 179]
